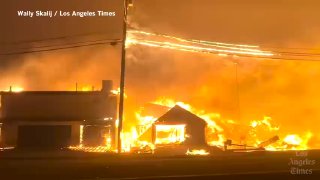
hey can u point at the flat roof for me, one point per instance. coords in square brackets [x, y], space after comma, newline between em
[53, 92]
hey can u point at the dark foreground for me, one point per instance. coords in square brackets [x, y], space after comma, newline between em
[74, 165]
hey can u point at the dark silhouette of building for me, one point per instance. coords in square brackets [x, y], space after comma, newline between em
[57, 118]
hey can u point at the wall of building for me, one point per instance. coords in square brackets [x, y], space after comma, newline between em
[10, 131]
[197, 135]
[58, 105]
[1, 144]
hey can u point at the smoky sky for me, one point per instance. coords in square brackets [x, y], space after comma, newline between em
[273, 22]
[16, 32]
[244, 21]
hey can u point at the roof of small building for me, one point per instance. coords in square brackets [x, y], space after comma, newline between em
[179, 115]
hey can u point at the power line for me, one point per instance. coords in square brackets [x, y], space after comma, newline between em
[195, 40]
[51, 38]
[53, 49]
[103, 33]
[277, 55]
[281, 58]
[109, 41]
[101, 43]
[67, 44]
[298, 54]
[287, 53]
[118, 40]
[293, 48]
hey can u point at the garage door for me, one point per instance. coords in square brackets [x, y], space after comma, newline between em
[44, 136]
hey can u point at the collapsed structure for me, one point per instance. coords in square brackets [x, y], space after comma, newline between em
[55, 119]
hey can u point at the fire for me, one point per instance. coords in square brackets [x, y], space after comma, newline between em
[81, 136]
[296, 142]
[15, 89]
[116, 123]
[6, 148]
[145, 120]
[265, 122]
[97, 149]
[165, 134]
[170, 134]
[293, 139]
[128, 140]
[117, 92]
[289, 142]
[200, 152]
[257, 135]
[292, 142]
[86, 88]
[171, 103]
[260, 130]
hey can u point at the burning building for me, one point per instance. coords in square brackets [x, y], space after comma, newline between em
[55, 119]
[179, 126]
[176, 131]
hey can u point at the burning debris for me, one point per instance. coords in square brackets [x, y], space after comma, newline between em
[269, 142]
[94, 149]
[196, 152]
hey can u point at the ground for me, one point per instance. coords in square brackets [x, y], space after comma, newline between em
[75, 165]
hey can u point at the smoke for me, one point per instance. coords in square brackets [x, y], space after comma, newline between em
[61, 70]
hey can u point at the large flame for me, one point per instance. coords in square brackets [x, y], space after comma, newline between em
[216, 134]
[257, 132]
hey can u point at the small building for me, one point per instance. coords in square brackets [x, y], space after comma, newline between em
[179, 126]
[55, 119]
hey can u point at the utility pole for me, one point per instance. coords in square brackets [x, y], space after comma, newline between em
[122, 74]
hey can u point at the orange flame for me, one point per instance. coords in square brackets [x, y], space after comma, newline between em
[200, 152]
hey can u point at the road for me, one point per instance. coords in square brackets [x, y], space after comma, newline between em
[75, 165]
